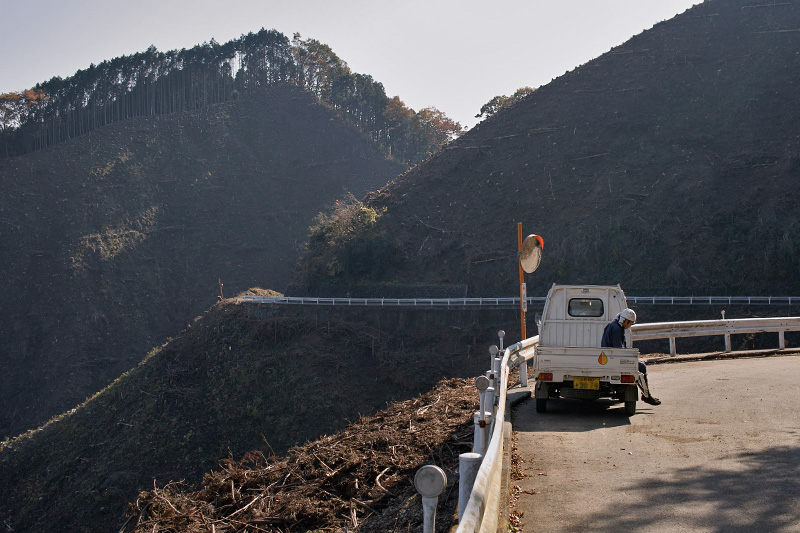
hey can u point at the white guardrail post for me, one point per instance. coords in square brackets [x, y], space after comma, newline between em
[468, 466]
[523, 368]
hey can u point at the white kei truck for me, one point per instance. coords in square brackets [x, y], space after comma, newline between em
[569, 361]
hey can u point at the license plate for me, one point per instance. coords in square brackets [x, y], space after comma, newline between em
[586, 383]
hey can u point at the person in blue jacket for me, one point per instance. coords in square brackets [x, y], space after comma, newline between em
[614, 337]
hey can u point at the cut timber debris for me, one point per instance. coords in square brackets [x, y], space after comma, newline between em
[361, 478]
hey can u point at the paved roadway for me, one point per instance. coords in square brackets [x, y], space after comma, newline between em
[720, 454]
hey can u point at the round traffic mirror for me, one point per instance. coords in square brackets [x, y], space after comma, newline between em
[530, 254]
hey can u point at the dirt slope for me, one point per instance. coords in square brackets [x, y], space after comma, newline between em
[115, 240]
[361, 478]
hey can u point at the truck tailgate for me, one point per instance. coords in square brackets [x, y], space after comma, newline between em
[585, 361]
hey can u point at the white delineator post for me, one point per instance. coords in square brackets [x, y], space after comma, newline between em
[493, 351]
[482, 418]
[498, 361]
[430, 481]
[482, 383]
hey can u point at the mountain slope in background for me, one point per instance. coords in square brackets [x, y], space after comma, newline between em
[669, 165]
[117, 239]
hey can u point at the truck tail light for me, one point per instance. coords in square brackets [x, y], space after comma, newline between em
[627, 378]
[545, 376]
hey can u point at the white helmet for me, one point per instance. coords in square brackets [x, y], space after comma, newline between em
[628, 314]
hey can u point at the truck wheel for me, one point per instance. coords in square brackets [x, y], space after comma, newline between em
[630, 408]
[541, 405]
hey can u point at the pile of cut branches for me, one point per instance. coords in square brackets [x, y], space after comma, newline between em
[359, 479]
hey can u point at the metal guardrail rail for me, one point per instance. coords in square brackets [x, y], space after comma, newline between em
[513, 302]
[715, 300]
[483, 510]
[509, 302]
[709, 328]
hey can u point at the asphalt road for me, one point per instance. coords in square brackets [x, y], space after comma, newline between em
[720, 454]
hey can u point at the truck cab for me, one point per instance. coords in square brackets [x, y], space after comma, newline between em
[569, 361]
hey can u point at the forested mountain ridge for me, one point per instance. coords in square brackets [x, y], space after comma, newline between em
[669, 164]
[154, 83]
[116, 239]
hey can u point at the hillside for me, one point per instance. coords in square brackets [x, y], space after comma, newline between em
[116, 239]
[668, 165]
[240, 378]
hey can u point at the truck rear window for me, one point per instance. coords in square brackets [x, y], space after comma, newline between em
[586, 307]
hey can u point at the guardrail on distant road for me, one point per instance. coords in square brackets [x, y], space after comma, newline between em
[513, 302]
[510, 302]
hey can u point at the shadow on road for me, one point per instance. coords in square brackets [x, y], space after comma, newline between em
[763, 494]
[572, 415]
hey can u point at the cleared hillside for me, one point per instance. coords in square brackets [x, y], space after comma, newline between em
[116, 239]
[361, 478]
[668, 164]
[240, 378]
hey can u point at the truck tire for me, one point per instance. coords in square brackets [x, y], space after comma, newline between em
[630, 408]
[541, 405]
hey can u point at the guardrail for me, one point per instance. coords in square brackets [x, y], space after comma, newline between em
[710, 328]
[714, 300]
[513, 301]
[483, 510]
[510, 302]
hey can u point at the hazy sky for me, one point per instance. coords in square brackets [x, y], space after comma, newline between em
[452, 54]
